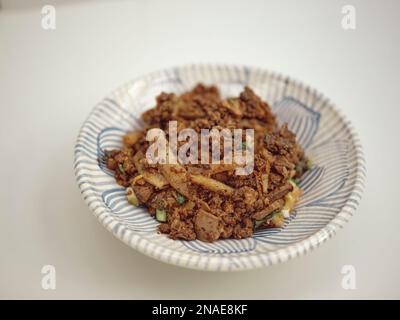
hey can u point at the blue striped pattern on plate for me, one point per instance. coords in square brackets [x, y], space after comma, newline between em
[332, 189]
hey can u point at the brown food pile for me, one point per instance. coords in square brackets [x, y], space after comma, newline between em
[180, 196]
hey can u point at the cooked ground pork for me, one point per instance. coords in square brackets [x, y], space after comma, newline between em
[211, 202]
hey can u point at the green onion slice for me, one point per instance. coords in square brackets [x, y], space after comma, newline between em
[161, 215]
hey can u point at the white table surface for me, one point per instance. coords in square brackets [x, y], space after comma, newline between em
[50, 80]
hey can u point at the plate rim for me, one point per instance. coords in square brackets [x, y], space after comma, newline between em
[222, 263]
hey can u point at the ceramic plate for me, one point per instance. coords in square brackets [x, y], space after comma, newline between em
[332, 189]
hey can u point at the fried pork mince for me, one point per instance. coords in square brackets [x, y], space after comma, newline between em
[209, 201]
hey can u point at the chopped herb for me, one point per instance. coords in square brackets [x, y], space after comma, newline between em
[244, 146]
[121, 168]
[161, 215]
[278, 219]
[309, 164]
[258, 223]
[294, 182]
[180, 198]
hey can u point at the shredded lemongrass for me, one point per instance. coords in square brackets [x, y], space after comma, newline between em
[131, 197]
[135, 179]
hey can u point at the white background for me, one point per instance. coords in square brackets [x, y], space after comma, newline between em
[50, 80]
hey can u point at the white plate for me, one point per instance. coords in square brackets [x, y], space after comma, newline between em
[332, 189]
